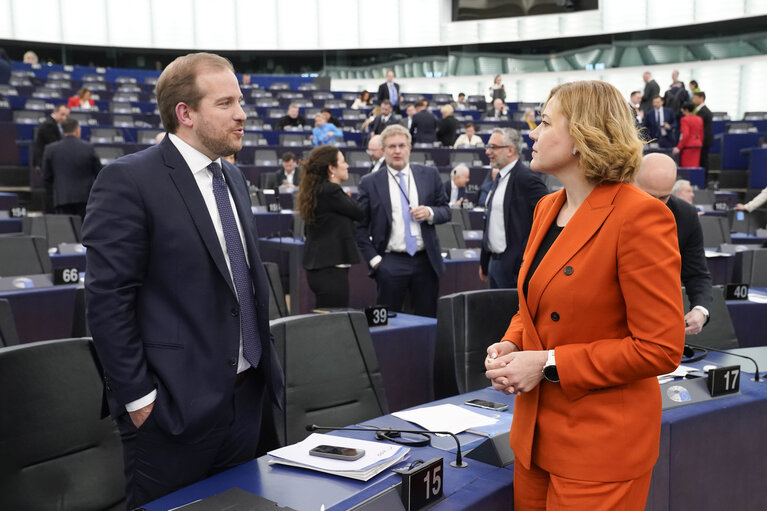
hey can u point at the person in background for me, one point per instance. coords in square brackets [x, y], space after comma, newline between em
[448, 127]
[363, 101]
[529, 118]
[30, 57]
[497, 111]
[683, 189]
[702, 111]
[81, 100]
[651, 89]
[656, 177]
[384, 119]
[754, 203]
[407, 121]
[48, 132]
[497, 90]
[461, 105]
[694, 86]
[402, 203]
[486, 186]
[455, 187]
[329, 214]
[329, 117]
[5, 67]
[510, 208]
[178, 300]
[291, 119]
[376, 153]
[468, 139]
[390, 90]
[325, 133]
[424, 125]
[289, 175]
[600, 314]
[69, 168]
[690, 137]
[660, 123]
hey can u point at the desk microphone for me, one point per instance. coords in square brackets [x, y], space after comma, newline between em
[384, 434]
[689, 351]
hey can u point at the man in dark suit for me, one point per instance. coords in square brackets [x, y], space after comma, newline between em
[424, 126]
[455, 187]
[699, 98]
[386, 118]
[651, 89]
[407, 121]
[660, 123]
[69, 168]
[497, 111]
[390, 90]
[289, 175]
[376, 153]
[510, 205]
[292, 119]
[656, 176]
[402, 203]
[177, 295]
[48, 132]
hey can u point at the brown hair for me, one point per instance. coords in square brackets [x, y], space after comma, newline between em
[605, 133]
[178, 84]
[315, 173]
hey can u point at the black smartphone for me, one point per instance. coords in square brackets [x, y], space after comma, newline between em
[489, 405]
[337, 453]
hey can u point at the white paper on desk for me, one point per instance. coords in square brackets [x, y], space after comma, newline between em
[446, 417]
[679, 372]
[715, 253]
[375, 453]
[757, 296]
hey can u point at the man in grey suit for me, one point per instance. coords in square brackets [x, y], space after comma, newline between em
[651, 89]
[69, 168]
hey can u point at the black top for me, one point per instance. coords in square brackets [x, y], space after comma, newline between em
[695, 275]
[551, 236]
[330, 239]
[448, 131]
[287, 120]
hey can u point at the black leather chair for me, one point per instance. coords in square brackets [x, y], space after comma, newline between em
[56, 450]
[56, 229]
[719, 333]
[332, 375]
[450, 235]
[467, 323]
[716, 230]
[24, 255]
[754, 267]
[278, 306]
[748, 222]
[9, 336]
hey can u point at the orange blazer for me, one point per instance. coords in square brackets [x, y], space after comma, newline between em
[607, 299]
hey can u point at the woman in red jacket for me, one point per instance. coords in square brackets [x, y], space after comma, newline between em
[691, 137]
[82, 100]
[600, 314]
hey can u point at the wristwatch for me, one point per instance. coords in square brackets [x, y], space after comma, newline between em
[550, 369]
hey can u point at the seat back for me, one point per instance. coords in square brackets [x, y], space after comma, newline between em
[467, 323]
[278, 306]
[55, 446]
[719, 333]
[9, 336]
[716, 230]
[24, 255]
[450, 235]
[748, 222]
[331, 372]
[56, 229]
[754, 267]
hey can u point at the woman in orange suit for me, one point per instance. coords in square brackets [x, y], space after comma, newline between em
[691, 137]
[600, 314]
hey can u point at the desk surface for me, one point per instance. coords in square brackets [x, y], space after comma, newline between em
[711, 457]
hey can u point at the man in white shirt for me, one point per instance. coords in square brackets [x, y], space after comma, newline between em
[178, 301]
[376, 153]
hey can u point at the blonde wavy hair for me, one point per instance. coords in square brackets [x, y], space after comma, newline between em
[603, 128]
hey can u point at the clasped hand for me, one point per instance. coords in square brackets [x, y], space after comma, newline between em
[512, 371]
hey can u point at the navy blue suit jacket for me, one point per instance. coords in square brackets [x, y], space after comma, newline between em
[374, 229]
[695, 275]
[69, 168]
[653, 129]
[162, 308]
[449, 188]
[523, 191]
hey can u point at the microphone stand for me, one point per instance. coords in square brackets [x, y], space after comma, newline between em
[756, 377]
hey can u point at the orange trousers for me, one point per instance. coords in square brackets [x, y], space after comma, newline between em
[538, 490]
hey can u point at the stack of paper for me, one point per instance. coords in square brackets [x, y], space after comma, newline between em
[378, 456]
[446, 417]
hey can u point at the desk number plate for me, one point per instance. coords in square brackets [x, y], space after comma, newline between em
[422, 486]
[736, 292]
[723, 380]
[66, 276]
[377, 315]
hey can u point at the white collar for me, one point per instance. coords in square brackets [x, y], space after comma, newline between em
[196, 161]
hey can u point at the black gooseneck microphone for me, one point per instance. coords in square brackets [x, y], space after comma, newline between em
[705, 349]
[458, 463]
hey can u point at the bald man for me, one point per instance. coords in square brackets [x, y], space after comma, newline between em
[376, 152]
[657, 176]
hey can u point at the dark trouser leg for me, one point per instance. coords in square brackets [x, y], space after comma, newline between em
[330, 286]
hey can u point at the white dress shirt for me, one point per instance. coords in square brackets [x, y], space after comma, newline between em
[496, 225]
[198, 163]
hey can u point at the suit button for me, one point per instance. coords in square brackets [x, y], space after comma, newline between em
[568, 270]
[235, 311]
[555, 316]
[232, 361]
